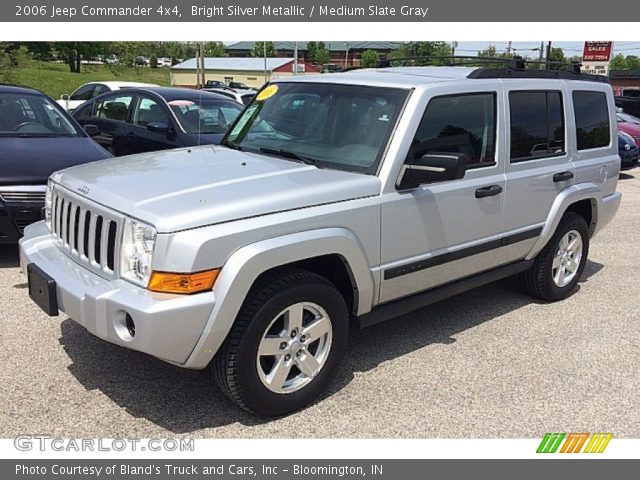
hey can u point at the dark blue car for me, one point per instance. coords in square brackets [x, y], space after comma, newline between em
[628, 151]
[37, 137]
[137, 120]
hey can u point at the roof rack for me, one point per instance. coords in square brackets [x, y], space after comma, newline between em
[515, 67]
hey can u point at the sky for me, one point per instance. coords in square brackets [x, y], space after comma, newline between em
[526, 48]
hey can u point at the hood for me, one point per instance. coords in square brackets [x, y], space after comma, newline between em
[630, 128]
[191, 187]
[31, 161]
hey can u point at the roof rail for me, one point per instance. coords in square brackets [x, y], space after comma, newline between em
[514, 67]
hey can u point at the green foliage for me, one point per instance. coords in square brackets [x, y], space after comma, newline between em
[153, 62]
[370, 59]
[259, 49]
[54, 78]
[420, 53]
[318, 53]
[215, 49]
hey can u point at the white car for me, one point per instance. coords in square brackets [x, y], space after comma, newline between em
[243, 97]
[93, 89]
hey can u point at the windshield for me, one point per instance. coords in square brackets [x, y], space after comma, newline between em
[205, 116]
[329, 125]
[28, 115]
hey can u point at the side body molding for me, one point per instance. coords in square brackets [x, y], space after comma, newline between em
[247, 263]
[575, 193]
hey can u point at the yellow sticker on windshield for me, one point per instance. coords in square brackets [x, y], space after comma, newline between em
[268, 92]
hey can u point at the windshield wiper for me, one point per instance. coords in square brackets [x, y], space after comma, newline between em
[232, 145]
[290, 154]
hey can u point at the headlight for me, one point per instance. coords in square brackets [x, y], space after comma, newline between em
[136, 254]
[48, 199]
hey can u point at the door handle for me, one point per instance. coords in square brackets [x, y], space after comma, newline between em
[562, 176]
[489, 191]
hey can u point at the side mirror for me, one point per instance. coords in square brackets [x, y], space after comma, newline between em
[433, 167]
[65, 97]
[158, 127]
[91, 130]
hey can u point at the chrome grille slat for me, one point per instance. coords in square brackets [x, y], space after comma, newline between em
[87, 233]
[25, 197]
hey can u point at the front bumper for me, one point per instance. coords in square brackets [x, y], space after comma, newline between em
[166, 326]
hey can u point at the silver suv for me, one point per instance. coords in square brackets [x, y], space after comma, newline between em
[352, 197]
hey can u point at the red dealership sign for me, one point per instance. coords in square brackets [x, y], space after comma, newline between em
[597, 51]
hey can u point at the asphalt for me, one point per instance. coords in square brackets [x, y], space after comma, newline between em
[488, 363]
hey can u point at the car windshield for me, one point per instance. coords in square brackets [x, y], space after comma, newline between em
[31, 115]
[330, 125]
[205, 116]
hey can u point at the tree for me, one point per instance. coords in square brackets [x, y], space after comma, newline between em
[619, 62]
[318, 53]
[370, 59]
[153, 61]
[258, 49]
[633, 62]
[424, 53]
[491, 52]
[74, 52]
[556, 55]
[215, 49]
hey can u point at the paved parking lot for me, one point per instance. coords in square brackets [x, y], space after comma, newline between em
[488, 363]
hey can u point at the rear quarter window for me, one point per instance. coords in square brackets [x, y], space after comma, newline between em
[592, 119]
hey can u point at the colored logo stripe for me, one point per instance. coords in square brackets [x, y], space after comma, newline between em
[598, 443]
[573, 442]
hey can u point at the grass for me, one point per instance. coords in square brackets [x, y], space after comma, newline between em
[54, 79]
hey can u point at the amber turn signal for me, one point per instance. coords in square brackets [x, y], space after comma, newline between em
[186, 283]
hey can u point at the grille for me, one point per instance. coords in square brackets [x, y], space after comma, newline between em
[22, 197]
[89, 236]
[22, 224]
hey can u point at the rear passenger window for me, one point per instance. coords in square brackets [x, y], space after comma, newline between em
[459, 124]
[113, 108]
[537, 125]
[592, 119]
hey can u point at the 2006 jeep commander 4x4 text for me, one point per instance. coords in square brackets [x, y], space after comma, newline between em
[335, 198]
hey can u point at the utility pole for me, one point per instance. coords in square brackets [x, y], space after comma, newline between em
[264, 45]
[541, 55]
[295, 59]
[509, 48]
[453, 51]
[346, 56]
[548, 54]
[202, 70]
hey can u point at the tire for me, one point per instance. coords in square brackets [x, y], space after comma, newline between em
[274, 384]
[544, 279]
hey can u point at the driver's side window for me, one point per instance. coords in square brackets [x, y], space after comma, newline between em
[460, 124]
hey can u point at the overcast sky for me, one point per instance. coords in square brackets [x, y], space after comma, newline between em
[526, 48]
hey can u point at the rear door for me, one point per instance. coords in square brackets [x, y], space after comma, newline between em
[149, 110]
[538, 165]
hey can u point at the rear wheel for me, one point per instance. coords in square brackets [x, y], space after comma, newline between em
[286, 344]
[559, 266]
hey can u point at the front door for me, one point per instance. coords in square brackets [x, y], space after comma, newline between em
[439, 232]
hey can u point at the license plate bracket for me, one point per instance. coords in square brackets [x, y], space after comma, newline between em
[42, 290]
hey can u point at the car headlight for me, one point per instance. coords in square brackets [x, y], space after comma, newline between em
[48, 200]
[136, 254]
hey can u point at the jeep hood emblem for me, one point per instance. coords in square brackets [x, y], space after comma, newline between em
[84, 190]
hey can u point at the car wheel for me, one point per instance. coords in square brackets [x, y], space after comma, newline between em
[559, 266]
[285, 345]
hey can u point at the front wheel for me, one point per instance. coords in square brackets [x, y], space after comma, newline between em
[559, 266]
[285, 345]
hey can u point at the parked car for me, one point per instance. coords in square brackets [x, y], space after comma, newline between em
[628, 151]
[239, 86]
[141, 61]
[37, 137]
[146, 119]
[630, 128]
[243, 97]
[215, 84]
[625, 117]
[93, 89]
[354, 198]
